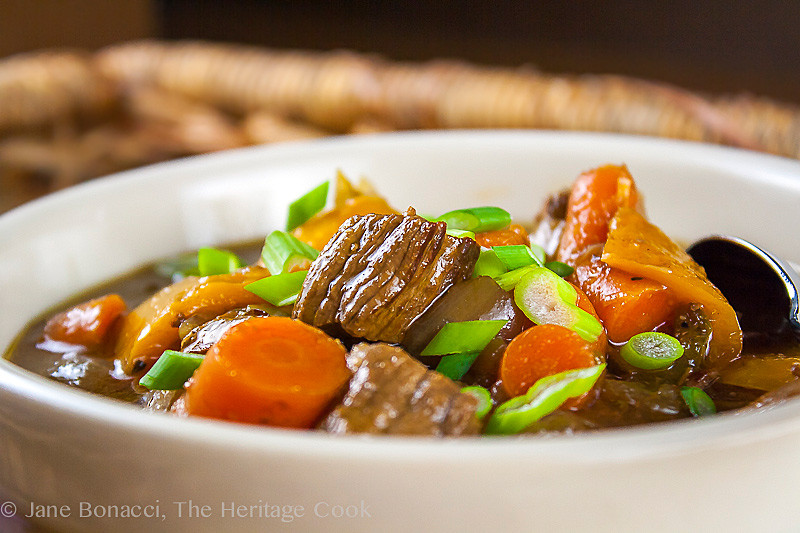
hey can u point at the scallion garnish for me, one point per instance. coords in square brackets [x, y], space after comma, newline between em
[699, 403]
[489, 264]
[281, 289]
[213, 261]
[171, 370]
[455, 365]
[544, 397]
[651, 350]
[462, 337]
[539, 254]
[546, 298]
[476, 219]
[509, 280]
[307, 206]
[562, 269]
[460, 233]
[484, 399]
[516, 256]
[283, 253]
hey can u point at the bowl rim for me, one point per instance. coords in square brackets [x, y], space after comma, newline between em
[641, 442]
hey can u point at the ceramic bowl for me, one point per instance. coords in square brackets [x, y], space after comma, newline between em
[92, 464]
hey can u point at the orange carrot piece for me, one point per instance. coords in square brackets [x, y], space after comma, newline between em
[513, 234]
[269, 370]
[594, 199]
[542, 351]
[88, 324]
[626, 304]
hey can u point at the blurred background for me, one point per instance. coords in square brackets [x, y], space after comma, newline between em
[723, 71]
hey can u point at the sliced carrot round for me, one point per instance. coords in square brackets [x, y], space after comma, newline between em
[542, 351]
[269, 370]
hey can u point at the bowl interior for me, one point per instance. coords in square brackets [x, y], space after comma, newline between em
[55, 247]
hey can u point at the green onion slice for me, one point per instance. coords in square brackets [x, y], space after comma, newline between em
[516, 256]
[462, 337]
[651, 350]
[281, 289]
[509, 280]
[476, 219]
[489, 264]
[544, 397]
[171, 370]
[484, 399]
[307, 206]
[460, 233]
[455, 365]
[562, 269]
[283, 252]
[700, 403]
[539, 254]
[546, 298]
[212, 261]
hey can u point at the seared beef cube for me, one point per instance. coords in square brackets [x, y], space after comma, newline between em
[379, 272]
[392, 393]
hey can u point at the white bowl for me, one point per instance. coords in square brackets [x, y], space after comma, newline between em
[61, 447]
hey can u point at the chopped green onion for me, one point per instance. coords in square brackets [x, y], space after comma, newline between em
[516, 256]
[171, 370]
[489, 264]
[460, 233]
[212, 261]
[476, 219]
[700, 403]
[307, 206]
[484, 399]
[461, 337]
[282, 252]
[281, 289]
[509, 280]
[651, 350]
[539, 254]
[455, 365]
[546, 298]
[562, 269]
[544, 397]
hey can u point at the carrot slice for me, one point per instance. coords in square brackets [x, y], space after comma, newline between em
[626, 303]
[513, 234]
[542, 351]
[594, 199]
[88, 324]
[269, 370]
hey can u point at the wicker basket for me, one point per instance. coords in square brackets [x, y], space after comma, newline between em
[69, 116]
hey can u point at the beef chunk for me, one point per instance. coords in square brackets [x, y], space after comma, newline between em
[379, 272]
[392, 393]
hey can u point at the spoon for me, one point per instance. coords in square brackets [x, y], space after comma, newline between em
[763, 289]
